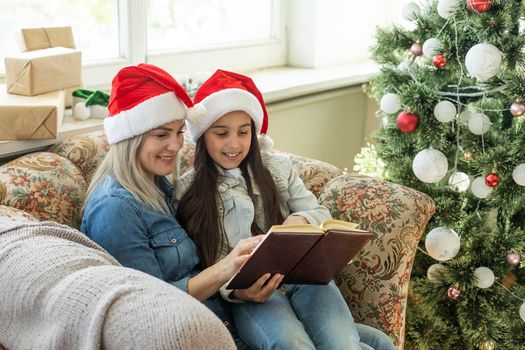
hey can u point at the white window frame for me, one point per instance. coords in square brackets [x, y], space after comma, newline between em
[132, 24]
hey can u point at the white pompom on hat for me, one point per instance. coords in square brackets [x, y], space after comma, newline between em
[226, 92]
[143, 98]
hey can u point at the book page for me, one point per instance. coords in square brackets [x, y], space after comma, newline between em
[339, 225]
[305, 228]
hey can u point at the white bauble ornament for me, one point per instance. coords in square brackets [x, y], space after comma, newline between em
[479, 123]
[522, 311]
[410, 11]
[464, 116]
[390, 103]
[459, 181]
[445, 111]
[432, 47]
[430, 165]
[518, 174]
[434, 272]
[446, 8]
[483, 61]
[485, 277]
[479, 188]
[442, 243]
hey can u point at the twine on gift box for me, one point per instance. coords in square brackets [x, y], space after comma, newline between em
[19, 76]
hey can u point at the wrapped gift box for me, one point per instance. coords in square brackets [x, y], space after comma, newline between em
[41, 71]
[30, 118]
[31, 39]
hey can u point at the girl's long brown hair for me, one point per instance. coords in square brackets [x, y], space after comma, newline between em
[198, 212]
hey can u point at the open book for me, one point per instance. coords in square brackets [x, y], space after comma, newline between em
[304, 254]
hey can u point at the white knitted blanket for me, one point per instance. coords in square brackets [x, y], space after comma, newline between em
[59, 290]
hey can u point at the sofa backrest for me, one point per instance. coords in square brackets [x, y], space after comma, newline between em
[52, 185]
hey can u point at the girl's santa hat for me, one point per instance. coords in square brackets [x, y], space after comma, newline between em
[143, 98]
[226, 92]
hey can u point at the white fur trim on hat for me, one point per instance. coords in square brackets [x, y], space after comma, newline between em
[265, 143]
[222, 102]
[144, 117]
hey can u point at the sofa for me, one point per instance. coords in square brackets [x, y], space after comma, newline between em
[50, 186]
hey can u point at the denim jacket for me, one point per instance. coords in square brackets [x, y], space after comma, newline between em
[238, 211]
[138, 236]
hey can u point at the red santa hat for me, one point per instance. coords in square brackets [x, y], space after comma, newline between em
[226, 92]
[142, 98]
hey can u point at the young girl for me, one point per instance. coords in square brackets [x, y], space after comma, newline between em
[235, 192]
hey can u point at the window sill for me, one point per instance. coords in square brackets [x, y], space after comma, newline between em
[276, 84]
[283, 83]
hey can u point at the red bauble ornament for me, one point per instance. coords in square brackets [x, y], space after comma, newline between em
[439, 61]
[479, 5]
[453, 293]
[416, 49]
[407, 122]
[492, 180]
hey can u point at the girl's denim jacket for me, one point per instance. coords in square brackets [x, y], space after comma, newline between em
[138, 236]
[238, 211]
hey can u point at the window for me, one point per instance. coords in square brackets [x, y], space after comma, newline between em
[192, 24]
[197, 36]
[94, 23]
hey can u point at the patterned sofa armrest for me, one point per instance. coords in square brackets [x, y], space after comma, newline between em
[375, 284]
[14, 215]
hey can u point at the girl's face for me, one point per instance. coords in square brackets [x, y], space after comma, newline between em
[228, 140]
[159, 150]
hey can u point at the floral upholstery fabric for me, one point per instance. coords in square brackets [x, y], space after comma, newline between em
[186, 154]
[46, 185]
[85, 151]
[375, 284]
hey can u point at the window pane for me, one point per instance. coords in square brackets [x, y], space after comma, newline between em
[94, 23]
[183, 24]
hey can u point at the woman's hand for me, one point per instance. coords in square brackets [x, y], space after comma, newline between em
[295, 220]
[238, 256]
[261, 290]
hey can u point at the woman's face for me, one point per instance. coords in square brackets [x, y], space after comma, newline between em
[159, 150]
[228, 139]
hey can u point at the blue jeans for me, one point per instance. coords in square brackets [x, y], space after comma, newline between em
[222, 309]
[304, 317]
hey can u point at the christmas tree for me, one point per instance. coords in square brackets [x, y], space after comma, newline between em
[452, 93]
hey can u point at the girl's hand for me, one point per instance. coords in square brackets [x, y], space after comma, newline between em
[238, 256]
[295, 220]
[261, 290]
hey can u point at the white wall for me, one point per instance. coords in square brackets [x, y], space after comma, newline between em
[331, 126]
[332, 32]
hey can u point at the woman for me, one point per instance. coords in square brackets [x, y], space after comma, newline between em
[128, 208]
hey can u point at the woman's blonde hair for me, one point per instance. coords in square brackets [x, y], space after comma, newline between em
[122, 162]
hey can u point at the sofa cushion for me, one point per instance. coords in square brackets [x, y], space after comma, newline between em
[46, 185]
[86, 151]
[314, 173]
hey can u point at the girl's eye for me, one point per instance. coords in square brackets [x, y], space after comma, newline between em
[222, 134]
[243, 133]
[161, 136]
[181, 131]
